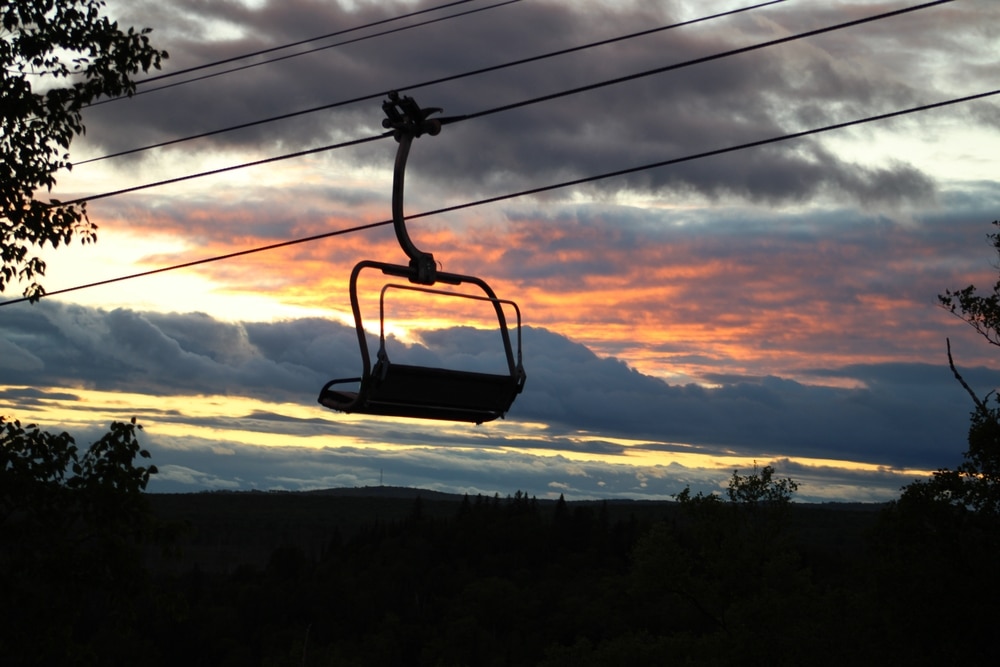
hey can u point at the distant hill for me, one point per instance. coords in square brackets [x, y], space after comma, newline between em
[411, 493]
[402, 492]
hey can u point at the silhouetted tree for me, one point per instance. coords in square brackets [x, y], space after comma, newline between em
[71, 528]
[759, 488]
[55, 58]
[975, 483]
[944, 531]
[724, 576]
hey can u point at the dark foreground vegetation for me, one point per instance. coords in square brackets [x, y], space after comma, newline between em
[516, 581]
[99, 573]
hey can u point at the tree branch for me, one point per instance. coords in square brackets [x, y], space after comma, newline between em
[951, 363]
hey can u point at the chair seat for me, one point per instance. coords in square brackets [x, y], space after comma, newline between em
[402, 390]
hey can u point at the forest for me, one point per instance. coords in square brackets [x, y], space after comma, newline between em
[385, 576]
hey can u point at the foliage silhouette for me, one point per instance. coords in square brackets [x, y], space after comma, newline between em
[72, 526]
[55, 58]
[975, 483]
[943, 533]
[725, 572]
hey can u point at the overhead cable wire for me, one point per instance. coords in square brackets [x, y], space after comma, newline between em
[536, 190]
[208, 260]
[523, 103]
[444, 79]
[302, 53]
[290, 45]
[711, 153]
[273, 49]
[698, 61]
[223, 170]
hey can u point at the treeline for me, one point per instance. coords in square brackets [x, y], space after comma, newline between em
[93, 572]
[516, 582]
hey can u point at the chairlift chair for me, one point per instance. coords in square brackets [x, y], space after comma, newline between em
[389, 389]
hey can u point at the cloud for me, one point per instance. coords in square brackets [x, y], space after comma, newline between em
[154, 353]
[30, 396]
[716, 104]
[188, 479]
[679, 291]
[900, 415]
[487, 472]
[13, 357]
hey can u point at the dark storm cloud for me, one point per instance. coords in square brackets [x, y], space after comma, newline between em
[146, 352]
[904, 416]
[717, 104]
[917, 423]
[29, 396]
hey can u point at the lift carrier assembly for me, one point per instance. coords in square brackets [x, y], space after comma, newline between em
[400, 390]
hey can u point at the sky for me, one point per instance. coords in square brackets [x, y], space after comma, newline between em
[776, 304]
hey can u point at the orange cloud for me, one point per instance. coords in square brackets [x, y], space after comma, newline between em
[675, 301]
